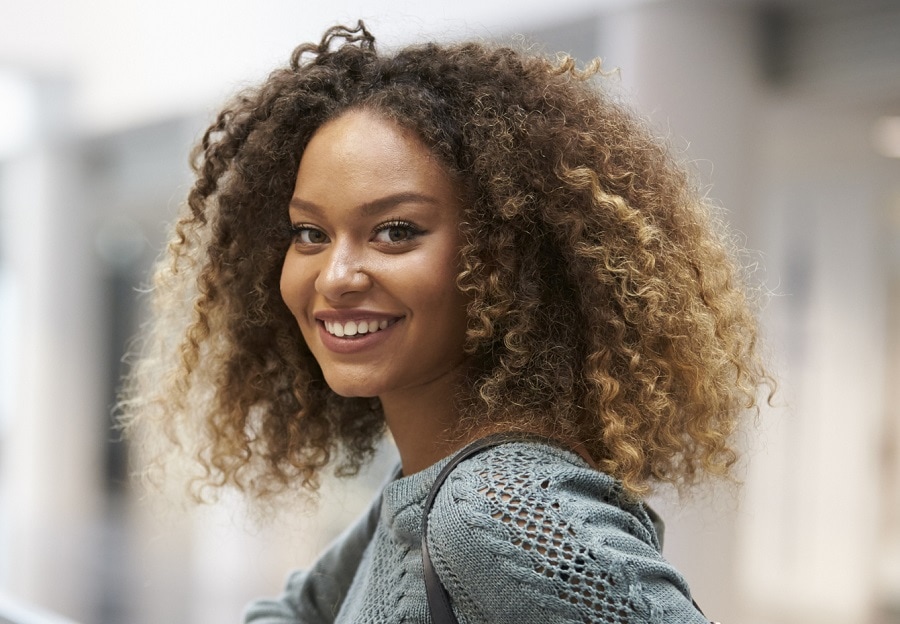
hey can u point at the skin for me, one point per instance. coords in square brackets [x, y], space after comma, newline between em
[375, 224]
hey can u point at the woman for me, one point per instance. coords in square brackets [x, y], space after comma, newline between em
[450, 242]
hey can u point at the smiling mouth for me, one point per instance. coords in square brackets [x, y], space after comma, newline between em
[356, 328]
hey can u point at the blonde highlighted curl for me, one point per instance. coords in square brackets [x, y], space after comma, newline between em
[605, 306]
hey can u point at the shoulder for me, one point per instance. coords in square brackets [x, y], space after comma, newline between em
[515, 481]
[533, 520]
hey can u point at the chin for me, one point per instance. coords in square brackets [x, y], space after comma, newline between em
[351, 390]
[351, 394]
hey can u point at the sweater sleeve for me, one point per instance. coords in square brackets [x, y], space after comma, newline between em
[314, 596]
[519, 541]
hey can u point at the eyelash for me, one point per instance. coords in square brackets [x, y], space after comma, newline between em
[296, 229]
[412, 230]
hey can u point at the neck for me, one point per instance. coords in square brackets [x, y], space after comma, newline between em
[422, 423]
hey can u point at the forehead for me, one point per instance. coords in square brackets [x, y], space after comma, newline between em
[365, 153]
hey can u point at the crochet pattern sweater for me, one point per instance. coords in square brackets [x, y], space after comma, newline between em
[522, 533]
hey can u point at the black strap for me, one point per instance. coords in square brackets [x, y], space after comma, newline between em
[438, 598]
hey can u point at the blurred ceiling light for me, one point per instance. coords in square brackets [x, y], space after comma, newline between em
[18, 112]
[886, 137]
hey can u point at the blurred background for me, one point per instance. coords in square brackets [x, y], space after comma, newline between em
[790, 111]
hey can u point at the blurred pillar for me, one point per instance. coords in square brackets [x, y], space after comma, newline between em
[49, 476]
[888, 561]
[691, 67]
[810, 543]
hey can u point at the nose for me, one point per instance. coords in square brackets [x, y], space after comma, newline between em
[344, 272]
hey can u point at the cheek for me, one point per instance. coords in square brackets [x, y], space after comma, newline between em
[450, 302]
[288, 287]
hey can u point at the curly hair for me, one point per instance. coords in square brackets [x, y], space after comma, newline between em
[605, 304]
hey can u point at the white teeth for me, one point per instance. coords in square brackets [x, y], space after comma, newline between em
[352, 328]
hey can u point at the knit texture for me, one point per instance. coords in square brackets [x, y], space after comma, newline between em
[521, 533]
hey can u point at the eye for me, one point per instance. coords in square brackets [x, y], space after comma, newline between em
[396, 232]
[308, 235]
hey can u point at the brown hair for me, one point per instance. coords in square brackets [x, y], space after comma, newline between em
[605, 306]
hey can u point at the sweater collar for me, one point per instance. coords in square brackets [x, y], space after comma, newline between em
[404, 498]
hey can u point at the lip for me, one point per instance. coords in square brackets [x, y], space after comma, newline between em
[355, 314]
[357, 343]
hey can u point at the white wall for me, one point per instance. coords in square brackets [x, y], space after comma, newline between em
[49, 458]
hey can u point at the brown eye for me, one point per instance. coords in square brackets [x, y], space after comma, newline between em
[306, 235]
[316, 236]
[396, 232]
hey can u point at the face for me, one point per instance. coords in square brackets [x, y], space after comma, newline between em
[370, 273]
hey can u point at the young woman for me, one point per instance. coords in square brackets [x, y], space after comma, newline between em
[451, 242]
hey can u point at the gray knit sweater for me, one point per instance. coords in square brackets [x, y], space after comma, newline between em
[522, 533]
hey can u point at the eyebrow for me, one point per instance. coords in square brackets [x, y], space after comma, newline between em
[368, 209]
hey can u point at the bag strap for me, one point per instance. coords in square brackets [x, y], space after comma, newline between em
[438, 598]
